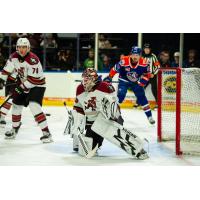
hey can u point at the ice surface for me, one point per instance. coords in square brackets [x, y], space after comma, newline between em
[27, 149]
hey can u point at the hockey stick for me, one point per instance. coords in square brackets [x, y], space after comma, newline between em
[87, 152]
[6, 100]
[67, 125]
[111, 82]
[10, 84]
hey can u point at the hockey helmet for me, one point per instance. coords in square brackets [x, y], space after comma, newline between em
[23, 42]
[90, 78]
[146, 45]
[136, 50]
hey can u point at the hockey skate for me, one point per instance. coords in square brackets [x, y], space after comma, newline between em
[136, 105]
[155, 107]
[46, 138]
[151, 120]
[2, 122]
[142, 155]
[12, 133]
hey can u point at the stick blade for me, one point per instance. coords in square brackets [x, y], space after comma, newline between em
[92, 153]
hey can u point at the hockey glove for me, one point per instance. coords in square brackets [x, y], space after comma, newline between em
[1, 83]
[108, 79]
[17, 91]
[140, 84]
[110, 107]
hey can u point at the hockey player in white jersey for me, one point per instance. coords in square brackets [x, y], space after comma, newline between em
[25, 65]
[96, 108]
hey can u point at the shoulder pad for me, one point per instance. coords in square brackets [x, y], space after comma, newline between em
[32, 59]
[79, 90]
[13, 55]
[124, 61]
[142, 62]
[105, 87]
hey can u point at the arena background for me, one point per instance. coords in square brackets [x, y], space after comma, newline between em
[64, 56]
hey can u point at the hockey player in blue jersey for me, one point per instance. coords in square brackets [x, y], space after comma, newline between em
[133, 73]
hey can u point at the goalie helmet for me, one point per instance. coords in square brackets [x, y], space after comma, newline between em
[23, 42]
[90, 78]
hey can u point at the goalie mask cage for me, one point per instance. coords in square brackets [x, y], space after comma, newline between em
[179, 109]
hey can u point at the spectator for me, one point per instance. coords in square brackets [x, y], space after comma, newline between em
[192, 60]
[107, 65]
[164, 59]
[51, 45]
[49, 42]
[89, 62]
[21, 35]
[65, 60]
[103, 42]
[175, 63]
[35, 40]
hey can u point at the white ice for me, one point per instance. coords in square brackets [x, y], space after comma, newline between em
[27, 149]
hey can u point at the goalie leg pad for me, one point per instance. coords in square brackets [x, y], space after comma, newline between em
[88, 141]
[118, 135]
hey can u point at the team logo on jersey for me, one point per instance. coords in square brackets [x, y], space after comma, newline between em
[132, 76]
[33, 60]
[20, 72]
[121, 62]
[127, 69]
[91, 103]
[111, 88]
[170, 84]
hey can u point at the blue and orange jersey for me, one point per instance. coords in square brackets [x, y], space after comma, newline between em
[128, 72]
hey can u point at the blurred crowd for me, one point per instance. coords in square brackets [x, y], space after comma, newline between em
[60, 54]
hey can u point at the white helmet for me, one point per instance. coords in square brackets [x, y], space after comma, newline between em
[23, 42]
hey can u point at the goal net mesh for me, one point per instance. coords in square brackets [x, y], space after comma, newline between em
[190, 109]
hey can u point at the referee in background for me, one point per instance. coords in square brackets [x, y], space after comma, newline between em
[154, 65]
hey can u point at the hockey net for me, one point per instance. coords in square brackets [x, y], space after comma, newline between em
[179, 109]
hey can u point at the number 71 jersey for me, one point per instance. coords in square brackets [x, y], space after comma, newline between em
[28, 70]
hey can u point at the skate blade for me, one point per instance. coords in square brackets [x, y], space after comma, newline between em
[9, 138]
[92, 153]
[45, 141]
[2, 126]
[143, 157]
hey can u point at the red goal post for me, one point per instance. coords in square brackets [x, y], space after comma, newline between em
[179, 109]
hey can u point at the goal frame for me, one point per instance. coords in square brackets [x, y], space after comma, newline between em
[178, 71]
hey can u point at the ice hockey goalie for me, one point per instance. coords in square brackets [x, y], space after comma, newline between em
[96, 113]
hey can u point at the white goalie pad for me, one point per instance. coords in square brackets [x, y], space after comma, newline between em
[75, 121]
[110, 108]
[118, 135]
[88, 141]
